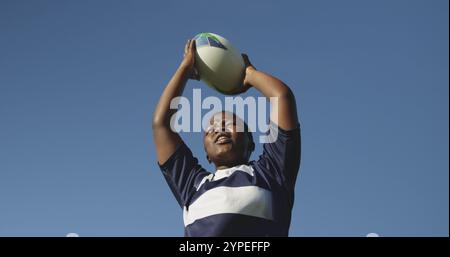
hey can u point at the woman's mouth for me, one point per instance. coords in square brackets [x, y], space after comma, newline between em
[223, 140]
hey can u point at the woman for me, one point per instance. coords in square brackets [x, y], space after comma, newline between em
[242, 197]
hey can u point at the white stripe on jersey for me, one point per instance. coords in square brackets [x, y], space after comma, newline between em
[248, 200]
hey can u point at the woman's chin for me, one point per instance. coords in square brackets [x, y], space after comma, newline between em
[224, 149]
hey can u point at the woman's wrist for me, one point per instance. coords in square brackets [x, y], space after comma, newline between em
[249, 72]
[185, 70]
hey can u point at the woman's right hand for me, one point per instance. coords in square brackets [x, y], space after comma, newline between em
[189, 60]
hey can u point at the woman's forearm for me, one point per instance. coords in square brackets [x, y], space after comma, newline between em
[268, 85]
[284, 110]
[175, 87]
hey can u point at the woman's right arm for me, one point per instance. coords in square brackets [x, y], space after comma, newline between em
[166, 140]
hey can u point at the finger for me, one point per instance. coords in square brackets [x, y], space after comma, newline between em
[246, 60]
[196, 74]
[195, 77]
[186, 47]
[192, 45]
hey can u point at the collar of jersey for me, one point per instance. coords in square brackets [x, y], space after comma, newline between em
[228, 171]
[223, 173]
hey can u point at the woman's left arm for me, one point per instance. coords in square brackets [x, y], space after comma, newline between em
[284, 112]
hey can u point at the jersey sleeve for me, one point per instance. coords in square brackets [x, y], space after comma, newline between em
[281, 155]
[183, 174]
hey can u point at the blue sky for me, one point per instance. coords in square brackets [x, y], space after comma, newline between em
[79, 81]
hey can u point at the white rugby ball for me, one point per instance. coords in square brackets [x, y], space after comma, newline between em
[218, 63]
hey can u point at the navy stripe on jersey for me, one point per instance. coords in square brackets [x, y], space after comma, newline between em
[232, 225]
[254, 199]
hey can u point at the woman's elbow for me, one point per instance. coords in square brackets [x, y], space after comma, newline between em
[284, 92]
[157, 120]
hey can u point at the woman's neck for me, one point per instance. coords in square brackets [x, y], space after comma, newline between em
[229, 165]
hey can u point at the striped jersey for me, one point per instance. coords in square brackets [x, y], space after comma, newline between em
[255, 199]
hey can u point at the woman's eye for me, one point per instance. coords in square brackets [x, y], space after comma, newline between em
[209, 130]
[229, 126]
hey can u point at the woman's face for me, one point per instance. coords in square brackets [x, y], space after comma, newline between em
[225, 140]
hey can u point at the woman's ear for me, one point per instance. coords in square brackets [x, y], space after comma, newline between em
[250, 149]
